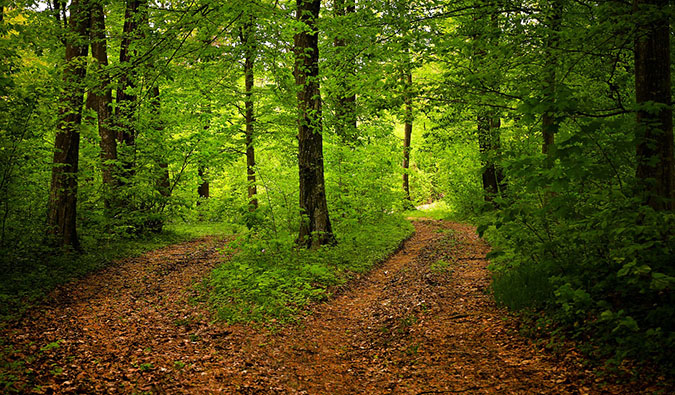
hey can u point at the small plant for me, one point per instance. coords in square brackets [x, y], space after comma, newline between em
[51, 345]
[56, 370]
[412, 349]
[440, 266]
[407, 322]
[178, 364]
[146, 367]
[270, 280]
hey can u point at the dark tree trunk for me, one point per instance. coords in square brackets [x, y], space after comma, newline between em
[315, 226]
[248, 40]
[345, 106]
[655, 172]
[162, 184]
[488, 121]
[407, 135]
[100, 99]
[549, 123]
[203, 188]
[126, 98]
[62, 210]
[489, 145]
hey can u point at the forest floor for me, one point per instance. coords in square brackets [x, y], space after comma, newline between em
[422, 322]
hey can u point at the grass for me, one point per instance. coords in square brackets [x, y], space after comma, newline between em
[30, 276]
[525, 286]
[436, 210]
[270, 280]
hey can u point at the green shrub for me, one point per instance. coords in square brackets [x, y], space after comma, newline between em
[271, 279]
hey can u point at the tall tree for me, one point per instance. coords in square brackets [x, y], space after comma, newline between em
[407, 132]
[248, 41]
[62, 211]
[345, 106]
[655, 169]
[488, 120]
[126, 88]
[203, 190]
[163, 181]
[489, 145]
[100, 99]
[548, 121]
[315, 226]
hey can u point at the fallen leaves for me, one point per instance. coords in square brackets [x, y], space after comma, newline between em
[408, 327]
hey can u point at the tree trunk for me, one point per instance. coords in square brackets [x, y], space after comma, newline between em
[203, 188]
[62, 209]
[548, 122]
[315, 226]
[126, 97]
[407, 135]
[345, 106]
[248, 40]
[489, 145]
[101, 101]
[162, 184]
[655, 172]
[488, 121]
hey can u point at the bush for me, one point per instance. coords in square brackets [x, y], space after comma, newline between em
[271, 279]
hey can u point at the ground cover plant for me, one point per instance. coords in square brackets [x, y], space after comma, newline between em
[272, 280]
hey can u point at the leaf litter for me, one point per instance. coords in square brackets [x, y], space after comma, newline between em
[422, 322]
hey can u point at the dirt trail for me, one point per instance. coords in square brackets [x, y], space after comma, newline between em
[421, 323]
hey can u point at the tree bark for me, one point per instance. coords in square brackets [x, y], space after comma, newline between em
[100, 99]
[162, 183]
[488, 121]
[62, 208]
[248, 40]
[548, 122]
[489, 145]
[407, 135]
[655, 170]
[345, 106]
[126, 97]
[203, 188]
[315, 226]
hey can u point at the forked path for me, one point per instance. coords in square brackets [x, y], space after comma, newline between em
[422, 322]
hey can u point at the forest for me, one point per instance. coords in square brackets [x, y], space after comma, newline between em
[309, 140]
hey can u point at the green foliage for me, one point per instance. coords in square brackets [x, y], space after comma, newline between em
[575, 242]
[269, 279]
[437, 210]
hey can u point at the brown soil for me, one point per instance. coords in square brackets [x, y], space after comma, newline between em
[422, 322]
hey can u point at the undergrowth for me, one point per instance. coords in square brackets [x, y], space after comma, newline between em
[436, 210]
[270, 279]
[26, 278]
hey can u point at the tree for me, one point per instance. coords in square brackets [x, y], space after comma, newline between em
[62, 210]
[345, 105]
[126, 98]
[492, 175]
[655, 172]
[315, 226]
[488, 119]
[100, 99]
[248, 41]
[549, 125]
[407, 132]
